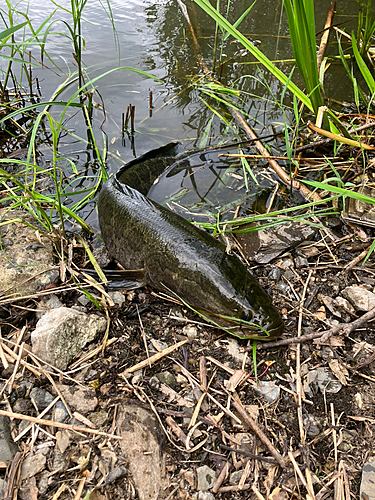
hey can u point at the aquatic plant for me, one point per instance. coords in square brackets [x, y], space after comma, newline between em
[274, 70]
[301, 23]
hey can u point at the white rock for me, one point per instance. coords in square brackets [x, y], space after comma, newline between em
[61, 333]
[360, 298]
[367, 489]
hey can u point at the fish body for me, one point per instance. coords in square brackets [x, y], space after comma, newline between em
[181, 258]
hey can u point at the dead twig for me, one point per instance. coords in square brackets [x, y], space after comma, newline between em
[326, 32]
[254, 427]
[343, 329]
[149, 361]
[51, 423]
[14, 473]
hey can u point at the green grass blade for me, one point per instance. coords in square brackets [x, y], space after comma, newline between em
[224, 24]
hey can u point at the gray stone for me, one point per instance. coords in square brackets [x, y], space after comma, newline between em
[301, 262]
[81, 399]
[32, 465]
[312, 426]
[117, 297]
[99, 418]
[235, 477]
[266, 244]
[203, 495]
[53, 302]
[348, 440]
[344, 304]
[41, 398]
[59, 413]
[154, 383]
[274, 274]
[141, 447]
[167, 378]
[63, 439]
[269, 391]
[360, 298]
[61, 334]
[23, 405]
[3, 487]
[26, 264]
[322, 380]
[367, 489]
[43, 483]
[58, 459]
[206, 478]
[115, 475]
[190, 331]
[7, 446]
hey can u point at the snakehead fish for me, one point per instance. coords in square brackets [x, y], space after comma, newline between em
[178, 257]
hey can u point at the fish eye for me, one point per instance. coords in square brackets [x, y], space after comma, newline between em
[246, 315]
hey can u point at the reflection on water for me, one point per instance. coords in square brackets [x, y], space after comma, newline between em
[154, 37]
[207, 183]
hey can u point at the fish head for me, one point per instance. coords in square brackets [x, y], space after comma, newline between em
[240, 306]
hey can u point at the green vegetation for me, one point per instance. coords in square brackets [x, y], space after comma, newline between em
[32, 122]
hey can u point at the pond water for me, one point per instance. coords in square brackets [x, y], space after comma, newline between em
[154, 37]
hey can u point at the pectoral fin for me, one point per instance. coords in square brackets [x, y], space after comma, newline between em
[120, 279]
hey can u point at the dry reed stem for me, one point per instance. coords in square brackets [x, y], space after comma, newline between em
[310, 491]
[46, 410]
[9, 351]
[156, 357]
[254, 427]
[299, 388]
[326, 32]
[221, 478]
[60, 425]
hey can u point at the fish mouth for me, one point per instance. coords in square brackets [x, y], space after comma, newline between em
[244, 329]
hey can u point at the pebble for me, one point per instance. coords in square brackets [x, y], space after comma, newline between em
[62, 333]
[63, 440]
[367, 489]
[117, 297]
[154, 383]
[41, 397]
[167, 378]
[203, 495]
[8, 448]
[269, 391]
[235, 477]
[3, 487]
[24, 268]
[115, 475]
[142, 448]
[206, 478]
[301, 262]
[190, 331]
[79, 399]
[99, 418]
[32, 465]
[323, 380]
[59, 413]
[312, 425]
[53, 302]
[360, 298]
[23, 405]
[347, 441]
[43, 483]
[274, 274]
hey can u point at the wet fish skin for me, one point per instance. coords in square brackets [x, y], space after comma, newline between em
[174, 253]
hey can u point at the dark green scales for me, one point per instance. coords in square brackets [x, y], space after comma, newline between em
[177, 256]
